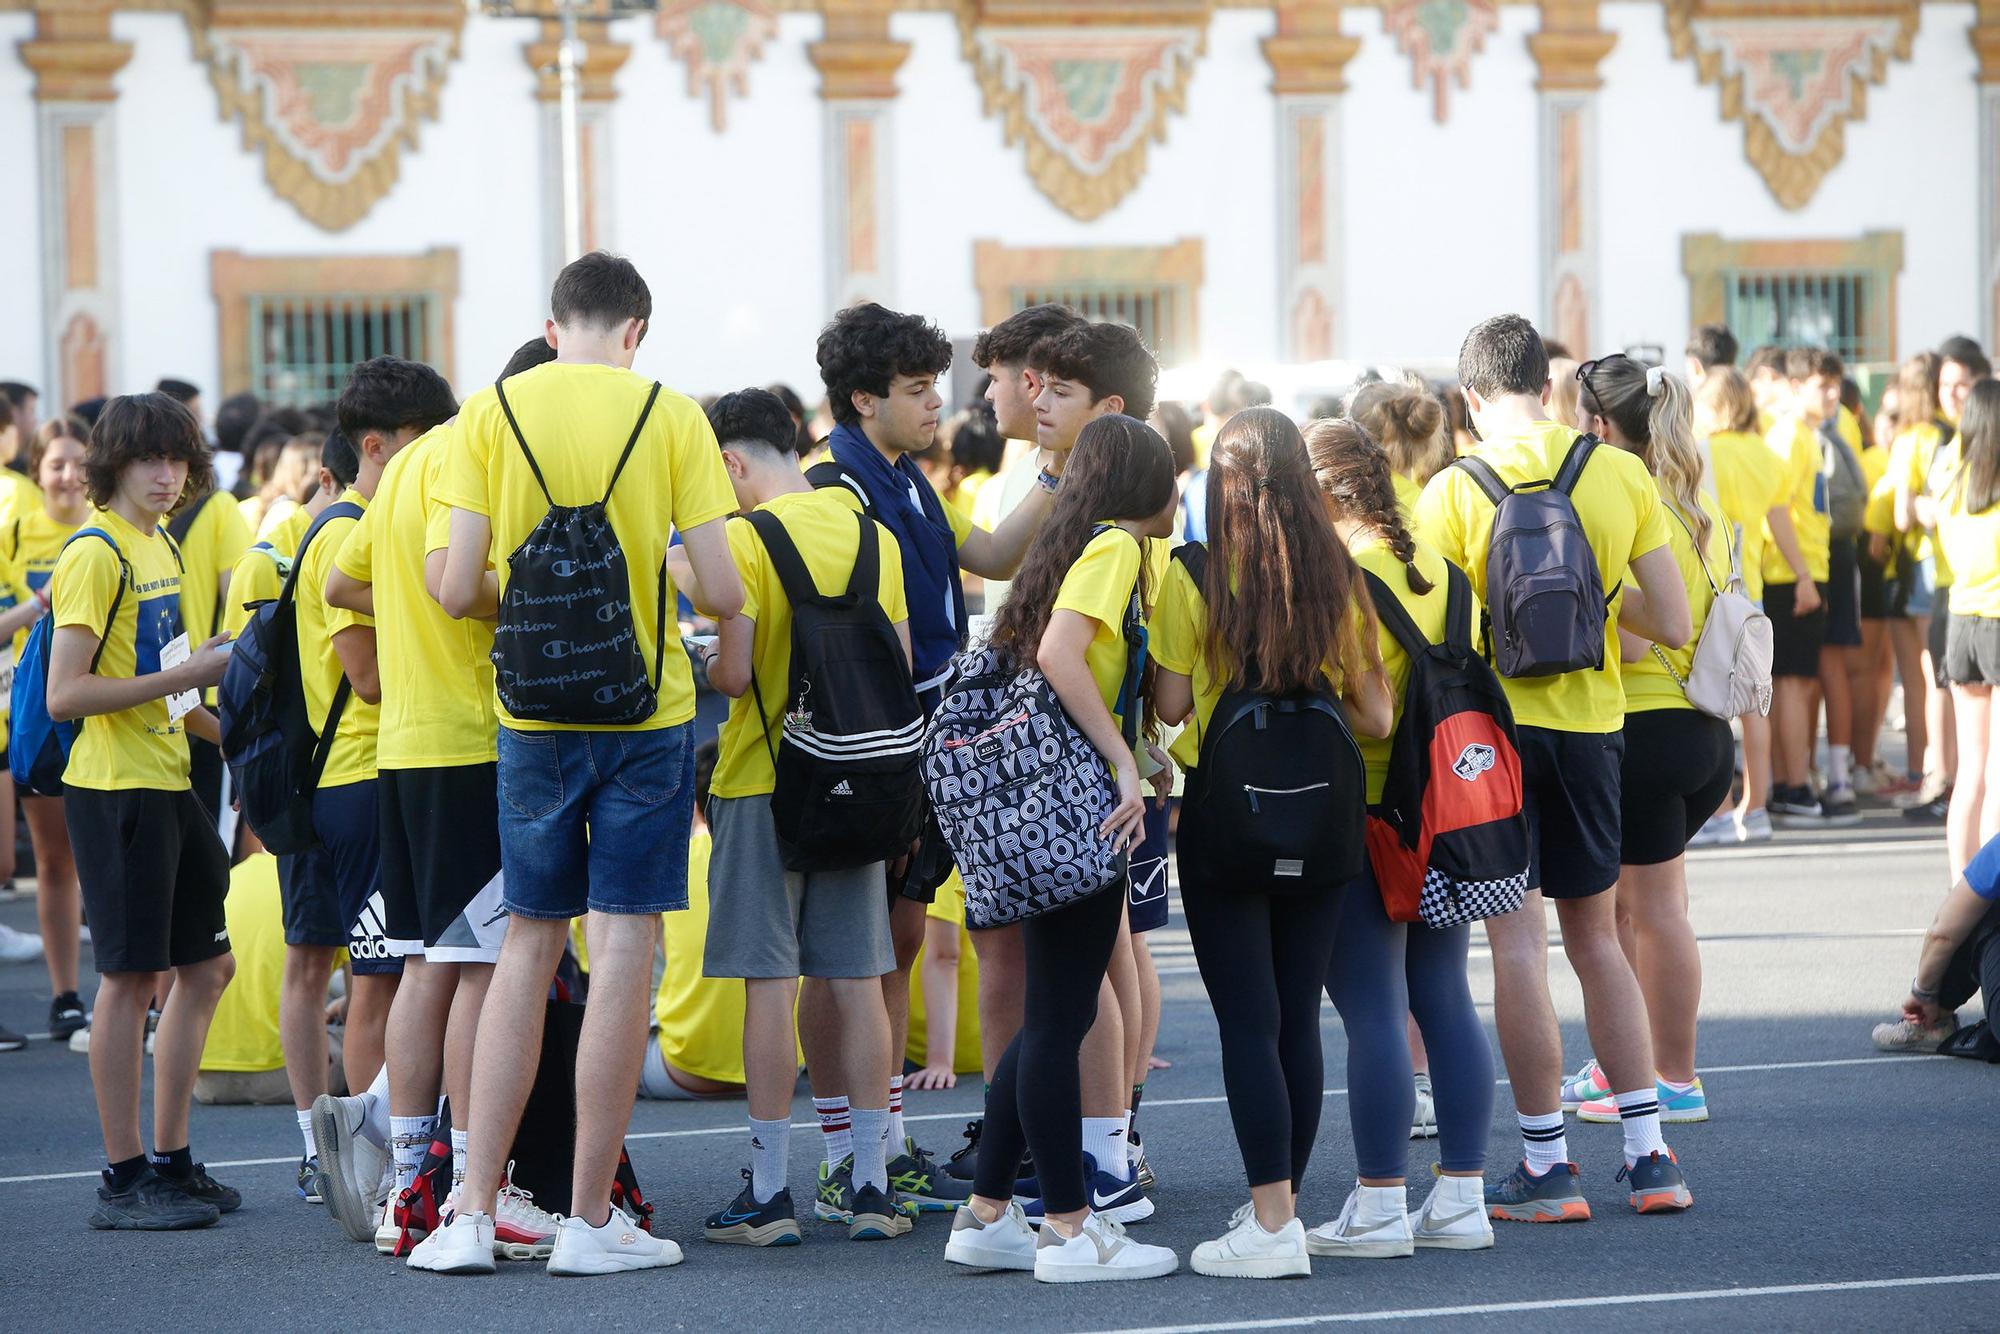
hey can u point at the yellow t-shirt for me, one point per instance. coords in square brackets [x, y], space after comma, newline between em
[1647, 685]
[1879, 515]
[1204, 442]
[30, 545]
[260, 571]
[1849, 427]
[1930, 464]
[700, 1018]
[1750, 482]
[135, 747]
[1797, 449]
[1971, 543]
[352, 758]
[577, 419]
[436, 672]
[243, 1036]
[1372, 554]
[215, 541]
[829, 539]
[949, 906]
[13, 592]
[1407, 492]
[1620, 509]
[18, 494]
[1099, 585]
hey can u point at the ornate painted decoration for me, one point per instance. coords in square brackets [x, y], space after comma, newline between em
[1794, 78]
[1441, 37]
[1084, 101]
[718, 40]
[331, 110]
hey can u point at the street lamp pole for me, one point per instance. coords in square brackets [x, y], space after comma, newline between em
[569, 56]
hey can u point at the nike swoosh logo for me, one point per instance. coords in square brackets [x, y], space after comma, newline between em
[1455, 1218]
[1098, 1201]
[1372, 1227]
[731, 1220]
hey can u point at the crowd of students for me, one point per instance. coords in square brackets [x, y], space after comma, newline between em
[496, 799]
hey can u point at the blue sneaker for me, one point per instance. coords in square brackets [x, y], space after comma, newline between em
[309, 1180]
[1553, 1197]
[1657, 1184]
[748, 1223]
[1586, 1085]
[1680, 1106]
[1120, 1199]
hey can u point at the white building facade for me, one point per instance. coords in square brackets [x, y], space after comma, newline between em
[253, 194]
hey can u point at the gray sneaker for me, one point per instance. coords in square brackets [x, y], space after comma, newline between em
[1908, 1035]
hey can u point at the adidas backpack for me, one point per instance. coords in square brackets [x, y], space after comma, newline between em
[1545, 600]
[38, 745]
[1448, 841]
[274, 756]
[1018, 791]
[1276, 803]
[849, 781]
[565, 645]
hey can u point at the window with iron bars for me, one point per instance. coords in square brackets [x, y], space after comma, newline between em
[1842, 310]
[302, 347]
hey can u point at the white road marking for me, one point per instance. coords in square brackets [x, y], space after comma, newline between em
[969, 1114]
[1572, 1303]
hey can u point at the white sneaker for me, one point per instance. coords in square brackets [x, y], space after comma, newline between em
[387, 1233]
[1718, 831]
[1454, 1216]
[1099, 1252]
[1424, 1125]
[1372, 1226]
[1005, 1243]
[18, 946]
[350, 1164]
[522, 1229]
[1248, 1251]
[621, 1245]
[1908, 1035]
[79, 1041]
[1754, 827]
[462, 1246]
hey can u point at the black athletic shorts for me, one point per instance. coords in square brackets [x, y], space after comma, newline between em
[205, 773]
[349, 827]
[441, 882]
[1795, 640]
[1938, 641]
[1677, 771]
[1570, 783]
[154, 876]
[1972, 651]
[1882, 595]
[1842, 592]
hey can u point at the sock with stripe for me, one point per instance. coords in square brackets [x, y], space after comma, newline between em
[871, 1147]
[1543, 1143]
[306, 1133]
[896, 1132]
[836, 1125]
[769, 1143]
[409, 1140]
[1639, 1114]
[459, 1139]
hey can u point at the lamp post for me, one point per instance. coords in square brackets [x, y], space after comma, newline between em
[569, 66]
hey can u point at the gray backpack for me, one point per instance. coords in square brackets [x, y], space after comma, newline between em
[1846, 485]
[1545, 600]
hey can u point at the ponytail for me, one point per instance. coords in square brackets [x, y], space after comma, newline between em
[1655, 412]
[1353, 473]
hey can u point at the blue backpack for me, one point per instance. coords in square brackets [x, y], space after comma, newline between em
[38, 749]
[274, 756]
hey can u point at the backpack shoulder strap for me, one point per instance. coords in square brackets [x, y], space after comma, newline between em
[829, 472]
[1391, 612]
[864, 585]
[1571, 471]
[1458, 603]
[522, 440]
[1193, 557]
[117, 597]
[340, 509]
[638, 428]
[1482, 475]
[183, 523]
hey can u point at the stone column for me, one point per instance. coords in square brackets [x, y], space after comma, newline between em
[1308, 56]
[74, 61]
[602, 59]
[1567, 51]
[857, 65]
[1986, 42]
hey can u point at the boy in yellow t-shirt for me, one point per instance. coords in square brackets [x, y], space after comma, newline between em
[152, 869]
[769, 925]
[1570, 734]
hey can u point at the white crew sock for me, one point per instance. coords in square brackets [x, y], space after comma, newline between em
[375, 1110]
[306, 1133]
[458, 1142]
[1639, 1114]
[409, 1140]
[836, 1126]
[1543, 1143]
[770, 1141]
[1840, 762]
[1104, 1140]
[871, 1147]
[896, 1132]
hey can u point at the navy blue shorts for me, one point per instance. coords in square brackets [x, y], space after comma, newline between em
[1146, 873]
[349, 830]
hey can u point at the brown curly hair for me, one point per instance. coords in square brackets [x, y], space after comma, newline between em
[134, 427]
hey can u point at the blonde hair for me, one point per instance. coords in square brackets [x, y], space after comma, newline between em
[1407, 420]
[1653, 409]
[1725, 403]
[1562, 390]
[1917, 391]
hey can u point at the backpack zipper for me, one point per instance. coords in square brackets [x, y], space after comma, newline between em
[1251, 793]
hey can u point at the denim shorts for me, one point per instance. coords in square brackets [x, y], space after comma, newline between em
[595, 821]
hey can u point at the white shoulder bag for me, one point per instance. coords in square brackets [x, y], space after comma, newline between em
[1731, 672]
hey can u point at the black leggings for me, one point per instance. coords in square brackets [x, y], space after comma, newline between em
[1263, 959]
[1036, 1100]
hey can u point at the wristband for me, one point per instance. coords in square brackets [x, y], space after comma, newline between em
[1050, 482]
[1918, 993]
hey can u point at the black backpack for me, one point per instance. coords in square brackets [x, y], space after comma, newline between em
[565, 646]
[1545, 600]
[1277, 803]
[274, 756]
[1448, 841]
[848, 758]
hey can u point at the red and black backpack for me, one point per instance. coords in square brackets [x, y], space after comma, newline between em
[1448, 842]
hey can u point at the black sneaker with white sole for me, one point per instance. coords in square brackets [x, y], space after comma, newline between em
[10, 1040]
[150, 1204]
[965, 1162]
[66, 1016]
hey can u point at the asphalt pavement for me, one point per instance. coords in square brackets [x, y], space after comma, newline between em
[1835, 1188]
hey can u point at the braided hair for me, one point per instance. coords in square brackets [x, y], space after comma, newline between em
[1353, 472]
